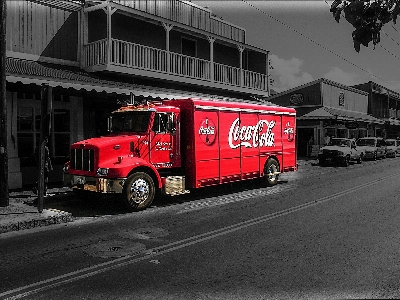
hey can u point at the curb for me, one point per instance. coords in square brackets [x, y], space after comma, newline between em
[36, 222]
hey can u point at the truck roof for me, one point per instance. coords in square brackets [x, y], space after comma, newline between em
[208, 104]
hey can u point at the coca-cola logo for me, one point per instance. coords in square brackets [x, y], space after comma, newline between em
[289, 131]
[207, 131]
[260, 135]
[296, 99]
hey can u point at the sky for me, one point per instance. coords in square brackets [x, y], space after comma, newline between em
[306, 43]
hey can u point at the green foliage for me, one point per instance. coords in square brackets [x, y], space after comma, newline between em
[367, 17]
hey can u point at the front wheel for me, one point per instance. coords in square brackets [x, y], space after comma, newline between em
[138, 192]
[346, 161]
[271, 173]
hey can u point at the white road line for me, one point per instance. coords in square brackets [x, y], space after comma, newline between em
[216, 201]
[157, 251]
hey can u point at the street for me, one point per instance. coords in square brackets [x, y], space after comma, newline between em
[321, 233]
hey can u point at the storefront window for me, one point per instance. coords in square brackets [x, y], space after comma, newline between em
[28, 133]
[341, 132]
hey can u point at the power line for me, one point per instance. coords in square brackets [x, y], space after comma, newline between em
[315, 42]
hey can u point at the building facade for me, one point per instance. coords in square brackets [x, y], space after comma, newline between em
[383, 104]
[89, 56]
[326, 108]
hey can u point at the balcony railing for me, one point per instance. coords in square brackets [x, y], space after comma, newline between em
[188, 14]
[130, 55]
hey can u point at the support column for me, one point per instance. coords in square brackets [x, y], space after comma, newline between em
[241, 49]
[109, 11]
[4, 196]
[83, 38]
[267, 84]
[168, 28]
[211, 40]
[45, 131]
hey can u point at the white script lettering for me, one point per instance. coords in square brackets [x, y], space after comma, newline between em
[251, 136]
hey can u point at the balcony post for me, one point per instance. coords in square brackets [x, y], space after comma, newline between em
[211, 40]
[83, 39]
[241, 49]
[267, 83]
[109, 13]
[168, 28]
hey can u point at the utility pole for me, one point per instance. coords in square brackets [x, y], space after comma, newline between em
[4, 196]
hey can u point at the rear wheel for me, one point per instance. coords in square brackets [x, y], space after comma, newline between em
[271, 173]
[138, 192]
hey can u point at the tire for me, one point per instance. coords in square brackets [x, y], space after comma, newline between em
[271, 166]
[346, 161]
[322, 162]
[138, 192]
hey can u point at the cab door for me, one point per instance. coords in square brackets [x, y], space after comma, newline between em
[163, 140]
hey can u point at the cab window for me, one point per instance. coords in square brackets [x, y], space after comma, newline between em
[160, 122]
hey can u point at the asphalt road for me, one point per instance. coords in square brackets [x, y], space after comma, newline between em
[321, 233]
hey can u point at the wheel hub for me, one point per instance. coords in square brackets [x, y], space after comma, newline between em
[139, 191]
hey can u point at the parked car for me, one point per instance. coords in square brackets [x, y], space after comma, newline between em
[373, 147]
[392, 148]
[340, 151]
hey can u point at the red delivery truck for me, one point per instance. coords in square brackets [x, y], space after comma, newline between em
[171, 146]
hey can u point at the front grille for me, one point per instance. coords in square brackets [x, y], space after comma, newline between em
[82, 159]
[330, 153]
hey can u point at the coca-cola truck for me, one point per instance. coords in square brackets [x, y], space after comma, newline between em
[171, 146]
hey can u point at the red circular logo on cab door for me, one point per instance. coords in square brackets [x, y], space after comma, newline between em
[207, 131]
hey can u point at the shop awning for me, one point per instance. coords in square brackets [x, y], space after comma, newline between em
[324, 113]
[33, 72]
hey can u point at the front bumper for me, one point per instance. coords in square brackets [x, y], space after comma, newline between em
[331, 159]
[368, 155]
[94, 184]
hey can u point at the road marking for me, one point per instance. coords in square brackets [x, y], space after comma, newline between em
[37, 287]
[237, 197]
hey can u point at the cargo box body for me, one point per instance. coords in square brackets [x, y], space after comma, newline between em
[225, 142]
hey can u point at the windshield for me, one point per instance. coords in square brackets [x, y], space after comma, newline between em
[390, 143]
[130, 122]
[366, 142]
[336, 142]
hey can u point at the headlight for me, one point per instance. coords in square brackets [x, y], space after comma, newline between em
[102, 172]
[340, 153]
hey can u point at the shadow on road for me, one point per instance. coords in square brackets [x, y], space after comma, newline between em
[97, 206]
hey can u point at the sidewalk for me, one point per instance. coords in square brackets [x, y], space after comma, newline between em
[23, 214]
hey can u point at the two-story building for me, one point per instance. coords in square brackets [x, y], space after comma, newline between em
[89, 56]
[326, 108]
[383, 104]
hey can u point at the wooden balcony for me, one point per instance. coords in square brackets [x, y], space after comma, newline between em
[129, 58]
[185, 13]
